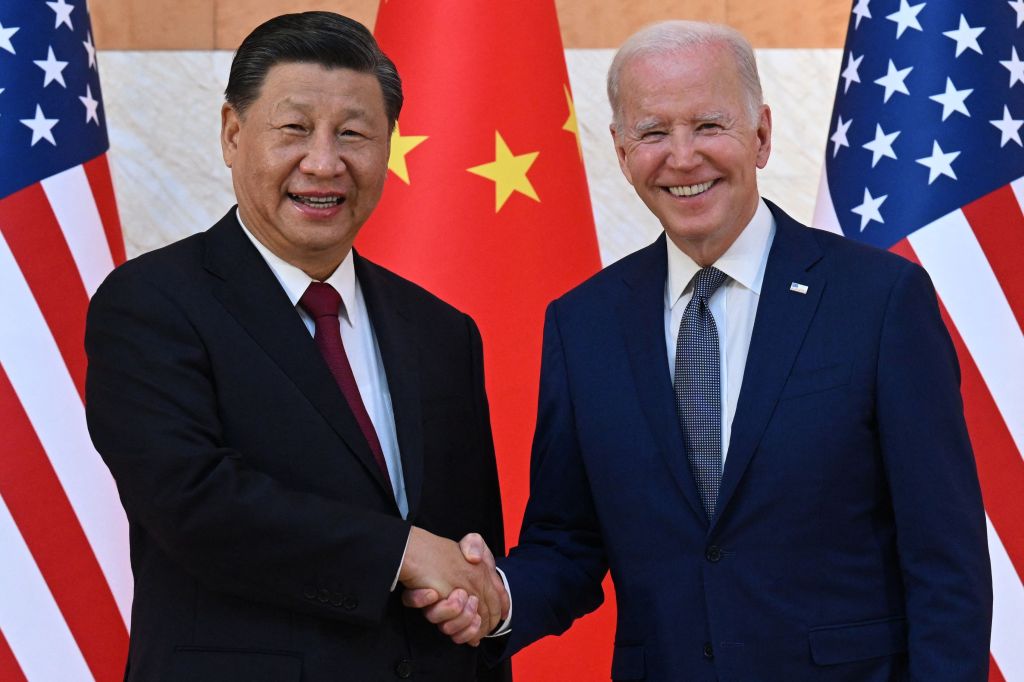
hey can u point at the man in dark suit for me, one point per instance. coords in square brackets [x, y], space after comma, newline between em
[755, 426]
[293, 429]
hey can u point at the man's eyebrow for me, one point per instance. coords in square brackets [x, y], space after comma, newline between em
[291, 104]
[647, 124]
[712, 117]
[302, 106]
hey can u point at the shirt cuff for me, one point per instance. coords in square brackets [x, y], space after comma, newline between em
[505, 626]
[394, 583]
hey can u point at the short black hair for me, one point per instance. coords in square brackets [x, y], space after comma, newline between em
[323, 38]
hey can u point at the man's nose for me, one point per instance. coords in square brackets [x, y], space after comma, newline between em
[323, 156]
[683, 152]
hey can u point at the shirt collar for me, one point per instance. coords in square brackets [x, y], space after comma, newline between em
[295, 282]
[744, 261]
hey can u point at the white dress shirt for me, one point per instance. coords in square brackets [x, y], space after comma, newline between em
[733, 305]
[360, 348]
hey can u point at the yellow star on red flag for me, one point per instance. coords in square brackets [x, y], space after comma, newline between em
[508, 171]
[571, 124]
[400, 146]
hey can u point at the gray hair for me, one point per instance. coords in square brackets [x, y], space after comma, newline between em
[668, 37]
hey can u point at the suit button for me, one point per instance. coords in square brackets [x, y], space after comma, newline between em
[337, 599]
[709, 651]
[323, 595]
[309, 592]
[403, 669]
[349, 603]
[713, 554]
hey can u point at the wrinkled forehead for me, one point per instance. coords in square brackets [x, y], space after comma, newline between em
[683, 77]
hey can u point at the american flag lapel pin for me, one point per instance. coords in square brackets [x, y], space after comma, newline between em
[798, 288]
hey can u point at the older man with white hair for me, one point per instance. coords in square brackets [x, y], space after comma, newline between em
[755, 426]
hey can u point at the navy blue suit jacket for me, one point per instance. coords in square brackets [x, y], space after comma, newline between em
[850, 541]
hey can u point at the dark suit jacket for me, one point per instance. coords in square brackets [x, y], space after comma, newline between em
[264, 539]
[850, 542]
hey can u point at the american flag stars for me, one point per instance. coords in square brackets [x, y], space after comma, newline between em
[1009, 127]
[850, 73]
[1018, 7]
[62, 10]
[5, 37]
[1016, 68]
[52, 100]
[906, 17]
[923, 101]
[53, 68]
[41, 127]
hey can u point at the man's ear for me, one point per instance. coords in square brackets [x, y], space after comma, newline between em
[230, 125]
[764, 136]
[620, 153]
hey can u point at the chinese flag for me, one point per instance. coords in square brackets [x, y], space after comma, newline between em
[486, 205]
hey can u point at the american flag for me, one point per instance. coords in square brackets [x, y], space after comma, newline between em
[925, 158]
[64, 572]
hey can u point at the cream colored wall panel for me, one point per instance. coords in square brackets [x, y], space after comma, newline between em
[799, 86]
[163, 118]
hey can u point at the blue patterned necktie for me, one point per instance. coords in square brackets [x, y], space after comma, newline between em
[698, 387]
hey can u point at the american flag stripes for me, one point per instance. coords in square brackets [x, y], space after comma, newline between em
[64, 571]
[925, 157]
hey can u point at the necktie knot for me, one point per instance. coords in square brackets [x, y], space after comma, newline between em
[707, 282]
[320, 300]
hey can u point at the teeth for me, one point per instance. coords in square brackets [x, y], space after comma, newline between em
[691, 190]
[317, 202]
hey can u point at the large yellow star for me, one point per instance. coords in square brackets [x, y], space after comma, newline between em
[400, 146]
[571, 125]
[508, 171]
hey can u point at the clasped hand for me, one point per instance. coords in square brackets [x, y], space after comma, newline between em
[456, 585]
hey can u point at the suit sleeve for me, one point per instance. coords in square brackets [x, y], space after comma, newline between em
[152, 409]
[940, 520]
[555, 571]
[494, 532]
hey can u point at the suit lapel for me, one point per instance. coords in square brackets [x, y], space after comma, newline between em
[396, 338]
[250, 293]
[642, 315]
[782, 320]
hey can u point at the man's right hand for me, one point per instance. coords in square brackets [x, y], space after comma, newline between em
[474, 599]
[457, 614]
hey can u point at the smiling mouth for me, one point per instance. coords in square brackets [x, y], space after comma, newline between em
[691, 190]
[317, 202]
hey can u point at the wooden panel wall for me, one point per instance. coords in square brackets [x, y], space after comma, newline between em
[221, 24]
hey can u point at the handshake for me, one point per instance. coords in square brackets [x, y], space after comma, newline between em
[456, 585]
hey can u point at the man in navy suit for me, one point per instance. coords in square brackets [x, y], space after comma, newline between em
[755, 426]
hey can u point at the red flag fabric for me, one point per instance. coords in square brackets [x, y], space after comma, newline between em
[64, 564]
[486, 205]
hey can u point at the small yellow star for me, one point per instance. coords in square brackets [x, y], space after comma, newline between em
[571, 125]
[400, 146]
[508, 171]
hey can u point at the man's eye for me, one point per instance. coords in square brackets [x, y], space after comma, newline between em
[349, 133]
[709, 127]
[294, 127]
[653, 135]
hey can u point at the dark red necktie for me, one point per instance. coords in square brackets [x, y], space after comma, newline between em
[323, 303]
